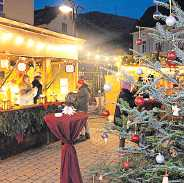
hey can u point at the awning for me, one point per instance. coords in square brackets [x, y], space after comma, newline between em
[25, 40]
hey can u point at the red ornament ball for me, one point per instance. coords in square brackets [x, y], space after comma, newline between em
[126, 165]
[135, 138]
[139, 41]
[139, 101]
[170, 63]
[171, 55]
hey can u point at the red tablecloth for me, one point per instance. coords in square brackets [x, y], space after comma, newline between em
[67, 128]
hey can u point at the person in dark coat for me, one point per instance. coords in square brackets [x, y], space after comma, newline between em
[36, 84]
[83, 96]
[125, 95]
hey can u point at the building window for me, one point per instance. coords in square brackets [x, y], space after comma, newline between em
[1, 7]
[64, 28]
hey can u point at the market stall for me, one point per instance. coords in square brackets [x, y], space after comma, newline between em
[38, 68]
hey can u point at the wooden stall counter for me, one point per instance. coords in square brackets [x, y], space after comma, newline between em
[24, 128]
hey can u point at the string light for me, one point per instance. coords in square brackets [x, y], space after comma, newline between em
[30, 43]
[7, 36]
[19, 40]
[40, 46]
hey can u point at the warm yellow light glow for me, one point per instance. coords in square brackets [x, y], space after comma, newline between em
[19, 40]
[4, 63]
[30, 43]
[106, 58]
[15, 89]
[40, 46]
[97, 57]
[65, 9]
[7, 36]
[49, 47]
[21, 66]
[88, 54]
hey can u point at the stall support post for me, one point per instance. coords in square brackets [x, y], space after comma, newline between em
[44, 77]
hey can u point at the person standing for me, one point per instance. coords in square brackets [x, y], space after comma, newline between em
[83, 96]
[36, 84]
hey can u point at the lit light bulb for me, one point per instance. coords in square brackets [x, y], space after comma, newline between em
[97, 57]
[7, 36]
[19, 40]
[40, 46]
[30, 43]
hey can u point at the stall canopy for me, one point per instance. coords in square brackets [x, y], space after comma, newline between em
[25, 40]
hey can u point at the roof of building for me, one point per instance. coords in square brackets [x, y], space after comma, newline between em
[45, 15]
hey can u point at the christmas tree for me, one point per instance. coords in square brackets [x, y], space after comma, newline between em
[159, 132]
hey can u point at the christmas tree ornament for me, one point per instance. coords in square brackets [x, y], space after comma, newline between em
[173, 152]
[157, 14]
[139, 71]
[125, 165]
[21, 67]
[107, 87]
[100, 178]
[171, 55]
[139, 42]
[160, 159]
[139, 101]
[171, 63]
[105, 136]
[175, 110]
[165, 178]
[135, 138]
[170, 21]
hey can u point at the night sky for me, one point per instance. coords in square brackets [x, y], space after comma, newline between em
[131, 8]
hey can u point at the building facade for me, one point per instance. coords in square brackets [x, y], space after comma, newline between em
[22, 11]
[150, 45]
[53, 19]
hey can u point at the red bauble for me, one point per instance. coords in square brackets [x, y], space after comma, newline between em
[139, 101]
[139, 41]
[125, 165]
[135, 138]
[171, 55]
[170, 63]
[105, 113]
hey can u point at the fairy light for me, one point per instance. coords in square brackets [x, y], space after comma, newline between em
[97, 57]
[40, 46]
[7, 36]
[30, 43]
[19, 40]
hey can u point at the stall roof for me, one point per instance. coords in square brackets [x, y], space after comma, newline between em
[27, 40]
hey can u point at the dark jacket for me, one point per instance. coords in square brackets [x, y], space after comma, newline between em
[127, 96]
[36, 83]
[83, 98]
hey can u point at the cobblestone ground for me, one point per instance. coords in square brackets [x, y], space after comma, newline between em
[42, 165]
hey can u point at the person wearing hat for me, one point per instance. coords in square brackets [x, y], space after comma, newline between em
[36, 84]
[127, 96]
[83, 96]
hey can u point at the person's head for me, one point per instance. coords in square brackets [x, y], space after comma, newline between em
[126, 85]
[80, 83]
[26, 79]
[38, 77]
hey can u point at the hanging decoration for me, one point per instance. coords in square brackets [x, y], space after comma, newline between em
[126, 165]
[5, 63]
[171, 55]
[107, 87]
[157, 14]
[105, 136]
[175, 110]
[21, 66]
[170, 20]
[165, 178]
[139, 71]
[135, 138]
[160, 159]
[139, 41]
[105, 113]
[139, 101]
